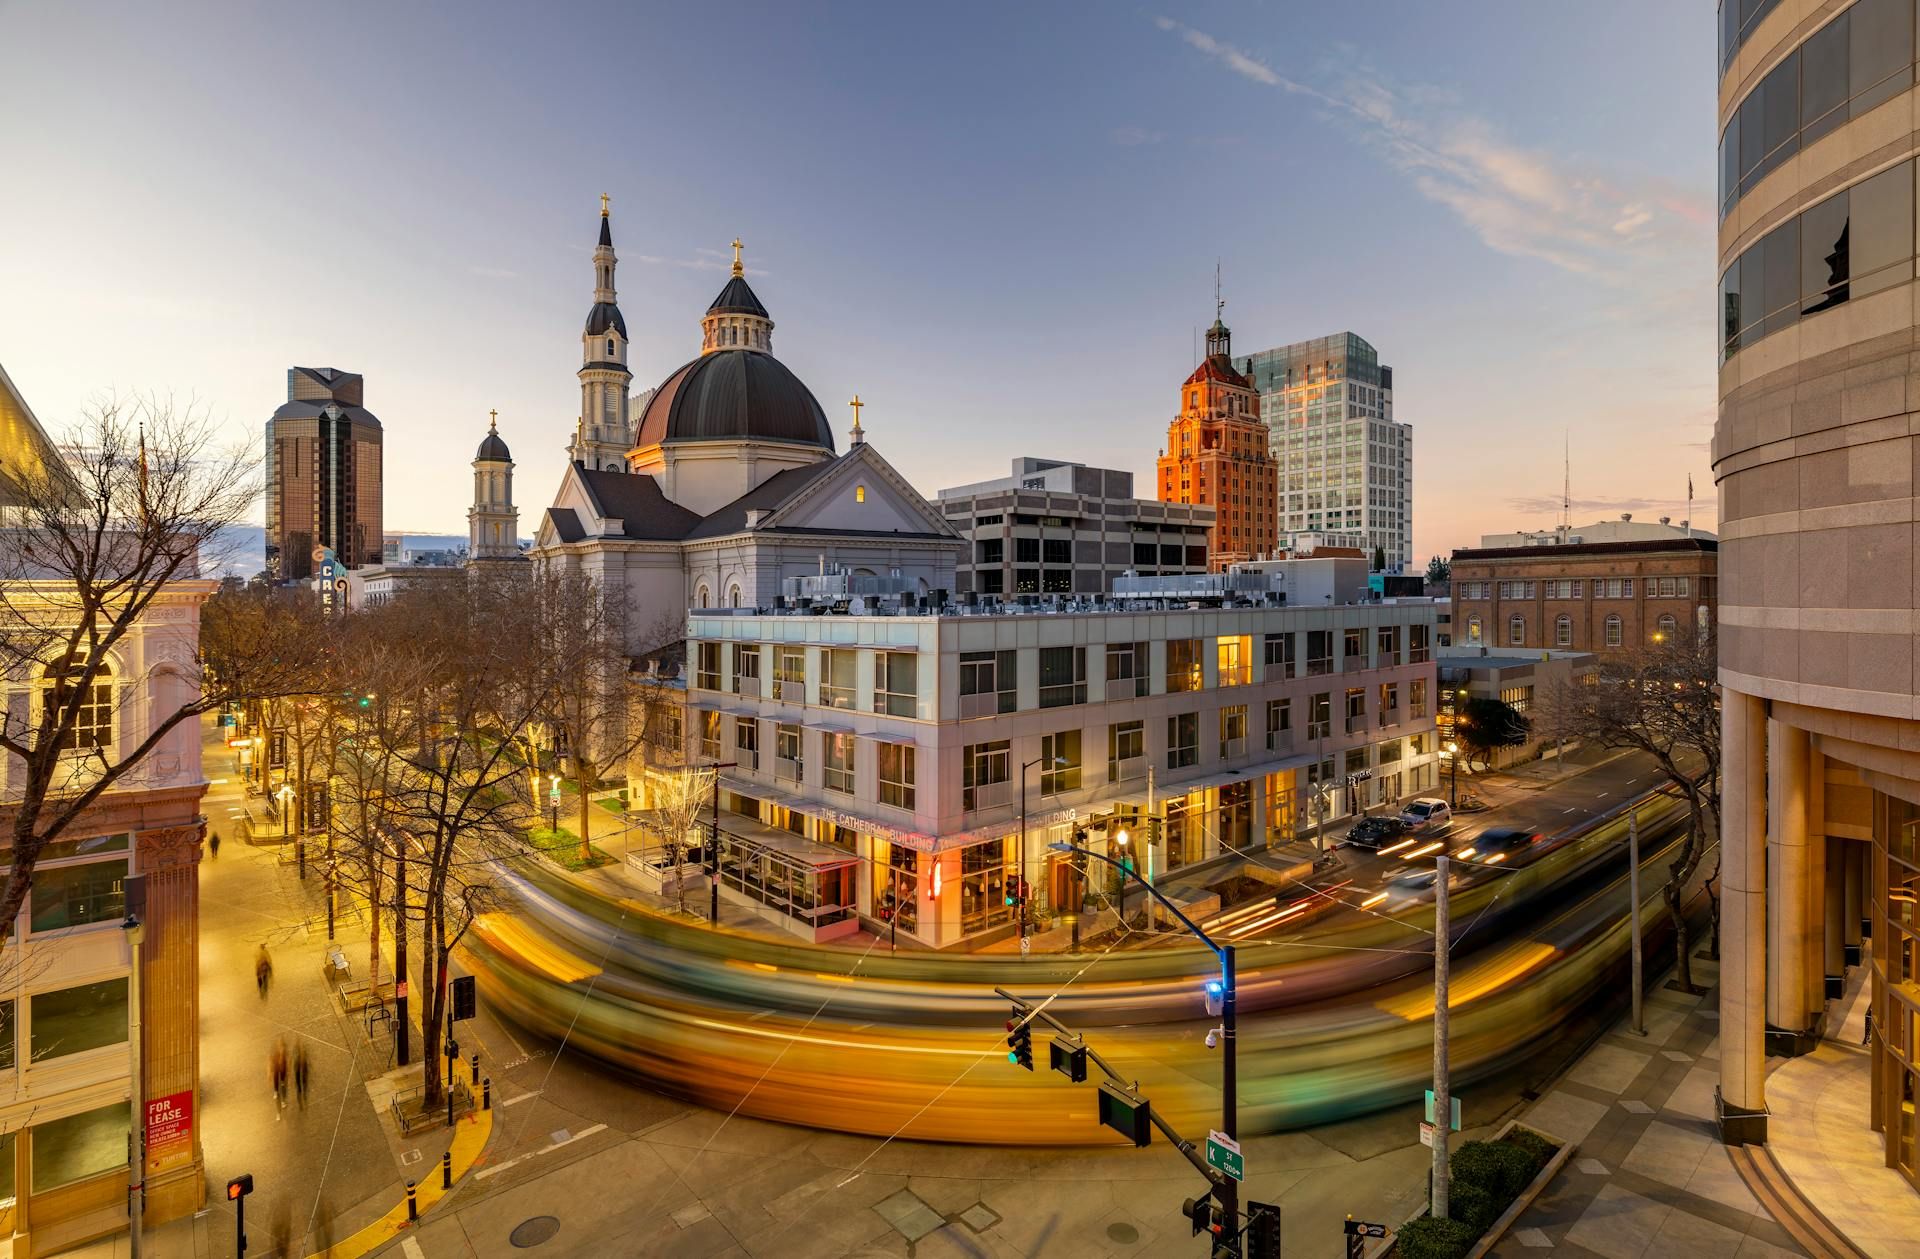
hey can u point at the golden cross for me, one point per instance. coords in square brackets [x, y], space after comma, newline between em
[737, 268]
[493, 419]
[856, 404]
[603, 205]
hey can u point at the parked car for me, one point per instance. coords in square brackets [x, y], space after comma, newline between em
[1376, 832]
[1499, 843]
[1426, 814]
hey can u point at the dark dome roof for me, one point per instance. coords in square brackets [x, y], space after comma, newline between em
[605, 315]
[738, 298]
[730, 395]
[493, 448]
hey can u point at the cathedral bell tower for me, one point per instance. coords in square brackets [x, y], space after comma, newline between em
[493, 523]
[604, 431]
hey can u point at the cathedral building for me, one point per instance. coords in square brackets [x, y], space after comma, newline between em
[724, 481]
[1218, 454]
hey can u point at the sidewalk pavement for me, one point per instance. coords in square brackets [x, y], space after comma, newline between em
[1650, 1177]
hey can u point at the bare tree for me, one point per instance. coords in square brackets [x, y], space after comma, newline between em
[92, 538]
[680, 803]
[589, 706]
[1660, 700]
[452, 800]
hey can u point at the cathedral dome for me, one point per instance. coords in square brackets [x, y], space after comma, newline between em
[493, 448]
[605, 315]
[734, 395]
[737, 298]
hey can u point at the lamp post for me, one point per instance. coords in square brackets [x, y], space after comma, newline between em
[553, 804]
[1452, 751]
[137, 1146]
[1121, 838]
[713, 848]
[1020, 884]
[1228, 1189]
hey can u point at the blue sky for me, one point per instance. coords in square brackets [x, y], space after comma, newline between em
[997, 223]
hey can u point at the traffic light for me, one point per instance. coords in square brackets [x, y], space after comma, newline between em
[1126, 1113]
[239, 1187]
[1153, 830]
[1263, 1231]
[1068, 1056]
[1201, 1211]
[1020, 1039]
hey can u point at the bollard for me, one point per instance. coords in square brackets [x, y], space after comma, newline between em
[446, 1170]
[476, 1066]
[413, 1208]
[486, 1093]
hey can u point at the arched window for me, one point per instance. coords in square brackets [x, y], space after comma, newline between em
[1613, 629]
[1665, 628]
[1563, 630]
[609, 347]
[1473, 629]
[733, 596]
[1516, 630]
[93, 715]
[859, 493]
[703, 599]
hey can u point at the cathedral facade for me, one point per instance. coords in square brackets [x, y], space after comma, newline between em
[713, 488]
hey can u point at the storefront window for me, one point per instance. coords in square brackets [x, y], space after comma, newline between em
[984, 882]
[896, 895]
[1282, 809]
[1182, 829]
[90, 1143]
[1236, 816]
[74, 1020]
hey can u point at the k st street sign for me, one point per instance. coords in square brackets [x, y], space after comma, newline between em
[1223, 1155]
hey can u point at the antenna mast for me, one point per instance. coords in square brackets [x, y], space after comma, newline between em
[1566, 487]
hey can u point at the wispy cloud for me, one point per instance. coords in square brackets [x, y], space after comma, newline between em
[493, 273]
[1518, 201]
[1132, 137]
[703, 260]
[1646, 508]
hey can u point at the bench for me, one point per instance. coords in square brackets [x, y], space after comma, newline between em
[336, 968]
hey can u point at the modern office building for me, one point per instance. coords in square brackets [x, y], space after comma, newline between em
[902, 766]
[67, 1014]
[323, 474]
[1593, 596]
[1346, 465]
[1059, 527]
[1814, 453]
[1217, 455]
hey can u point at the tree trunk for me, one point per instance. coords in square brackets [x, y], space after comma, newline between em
[401, 1030]
[1683, 968]
[586, 820]
[433, 1015]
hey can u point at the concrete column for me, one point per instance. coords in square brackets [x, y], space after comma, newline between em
[1789, 883]
[1856, 870]
[170, 1017]
[1834, 922]
[1816, 989]
[1740, 1099]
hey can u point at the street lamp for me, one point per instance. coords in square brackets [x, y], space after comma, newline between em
[553, 803]
[1453, 774]
[1228, 1189]
[1121, 838]
[1020, 893]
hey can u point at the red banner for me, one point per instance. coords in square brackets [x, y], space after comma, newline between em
[169, 1123]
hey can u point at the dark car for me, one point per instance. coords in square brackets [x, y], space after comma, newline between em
[1376, 832]
[1497, 844]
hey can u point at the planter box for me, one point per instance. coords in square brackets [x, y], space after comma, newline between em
[1498, 1229]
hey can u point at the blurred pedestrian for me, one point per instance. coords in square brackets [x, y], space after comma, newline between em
[322, 1227]
[213, 844]
[263, 970]
[277, 1074]
[300, 1073]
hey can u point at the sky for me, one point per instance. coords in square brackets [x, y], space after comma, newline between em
[998, 223]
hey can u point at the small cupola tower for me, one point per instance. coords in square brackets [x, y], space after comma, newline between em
[493, 523]
[736, 320]
[604, 431]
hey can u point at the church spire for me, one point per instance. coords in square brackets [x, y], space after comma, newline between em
[603, 435]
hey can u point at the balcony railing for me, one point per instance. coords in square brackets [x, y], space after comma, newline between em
[1280, 671]
[893, 703]
[1126, 769]
[788, 770]
[986, 796]
[837, 696]
[1233, 749]
[1391, 717]
[1318, 666]
[986, 704]
[1357, 725]
[1236, 675]
[791, 692]
[1063, 695]
[749, 686]
[1280, 741]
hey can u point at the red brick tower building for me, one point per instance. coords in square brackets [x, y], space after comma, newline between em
[1217, 454]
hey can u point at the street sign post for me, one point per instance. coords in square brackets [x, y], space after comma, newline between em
[1426, 1134]
[1223, 1155]
[1358, 1231]
[1455, 1124]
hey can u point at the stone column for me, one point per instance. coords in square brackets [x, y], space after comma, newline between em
[1856, 871]
[1816, 989]
[170, 1018]
[1789, 884]
[1740, 1105]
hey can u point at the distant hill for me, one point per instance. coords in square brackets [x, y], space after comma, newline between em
[245, 551]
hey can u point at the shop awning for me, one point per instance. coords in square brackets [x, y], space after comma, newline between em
[794, 847]
[1135, 793]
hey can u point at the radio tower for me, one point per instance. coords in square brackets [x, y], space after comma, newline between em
[1566, 487]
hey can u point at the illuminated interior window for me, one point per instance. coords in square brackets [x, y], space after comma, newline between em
[859, 493]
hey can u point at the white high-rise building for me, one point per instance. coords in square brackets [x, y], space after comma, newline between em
[1346, 465]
